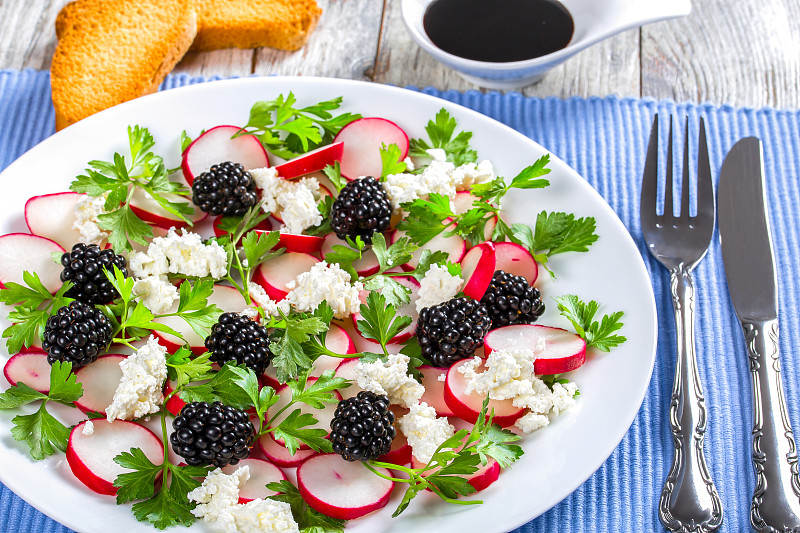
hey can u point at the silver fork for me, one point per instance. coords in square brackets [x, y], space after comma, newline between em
[689, 500]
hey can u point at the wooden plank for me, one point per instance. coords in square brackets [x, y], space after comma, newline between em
[610, 67]
[27, 32]
[739, 53]
[224, 63]
[343, 45]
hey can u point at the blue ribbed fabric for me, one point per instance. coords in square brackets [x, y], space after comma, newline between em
[604, 139]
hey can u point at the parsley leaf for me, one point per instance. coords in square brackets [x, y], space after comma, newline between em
[307, 518]
[426, 218]
[319, 392]
[559, 232]
[289, 333]
[345, 256]
[395, 293]
[400, 252]
[334, 173]
[295, 428]
[529, 178]
[224, 387]
[193, 306]
[390, 160]
[440, 132]
[379, 320]
[184, 368]
[581, 314]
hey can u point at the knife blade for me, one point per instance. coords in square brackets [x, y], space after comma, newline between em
[752, 283]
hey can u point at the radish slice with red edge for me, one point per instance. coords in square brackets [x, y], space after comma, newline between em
[99, 380]
[454, 246]
[30, 368]
[514, 259]
[264, 225]
[276, 273]
[480, 479]
[91, 457]
[52, 215]
[279, 454]
[477, 269]
[312, 161]
[261, 473]
[20, 252]
[400, 452]
[342, 489]
[468, 406]
[563, 351]
[363, 140]
[218, 145]
[347, 370]
[434, 389]
[148, 209]
[367, 265]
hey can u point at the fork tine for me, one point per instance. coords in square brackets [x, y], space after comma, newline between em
[668, 210]
[684, 213]
[706, 206]
[647, 203]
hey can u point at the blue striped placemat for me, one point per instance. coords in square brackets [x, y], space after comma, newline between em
[604, 139]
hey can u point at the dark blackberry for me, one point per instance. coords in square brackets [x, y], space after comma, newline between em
[510, 300]
[362, 427]
[77, 333]
[225, 189]
[83, 266]
[453, 330]
[215, 434]
[237, 338]
[361, 209]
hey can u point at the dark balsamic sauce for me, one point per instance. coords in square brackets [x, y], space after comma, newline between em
[498, 31]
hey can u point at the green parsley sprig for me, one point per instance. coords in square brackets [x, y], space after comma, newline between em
[308, 520]
[441, 134]
[391, 162]
[600, 335]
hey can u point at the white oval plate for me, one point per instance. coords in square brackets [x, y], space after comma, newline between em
[558, 458]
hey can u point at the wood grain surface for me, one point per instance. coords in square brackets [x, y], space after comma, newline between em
[743, 52]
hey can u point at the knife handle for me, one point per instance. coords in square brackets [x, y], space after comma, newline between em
[689, 500]
[776, 499]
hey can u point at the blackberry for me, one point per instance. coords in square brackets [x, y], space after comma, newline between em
[361, 209]
[224, 189]
[453, 330]
[77, 333]
[215, 434]
[237, 338]
[510, 300]
[362, 427]
[83, 266]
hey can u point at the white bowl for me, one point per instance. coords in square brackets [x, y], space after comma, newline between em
[594, 20]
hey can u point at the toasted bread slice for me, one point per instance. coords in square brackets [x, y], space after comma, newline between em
[112, 51]
[283, 24]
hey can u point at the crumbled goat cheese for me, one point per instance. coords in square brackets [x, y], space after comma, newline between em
[437, 154]
[180, 254]
[424, 431]
[139, 392]
[249, 312]
[531, 421]
[264, 516]
[325, 282]
[438, 286]
[390, 378]
[262, 299]
[159, 293]
[296, 199]
[442, 377]
[409, 164]
[87, 209]
[88, 428]
[563, 396]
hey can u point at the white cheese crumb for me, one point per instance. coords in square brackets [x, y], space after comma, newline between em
[159, 293]
[531, 421]
[325, 282]
[88, 428]
[409, 164]
[437, 154]
[442, 377]
[437, 286]
[139, 392]
[563, 396]
[295, 199]
[424, 431]
[262, 300]
[470, 174]
[87, 209]
[180, 254]
[390, 378]
[260, 516]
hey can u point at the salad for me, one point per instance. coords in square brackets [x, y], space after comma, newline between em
[304, 338]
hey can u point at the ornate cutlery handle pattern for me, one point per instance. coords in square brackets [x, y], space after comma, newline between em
[776, 499]
[689, 500]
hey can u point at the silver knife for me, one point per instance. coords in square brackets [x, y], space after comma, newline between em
[753, 286]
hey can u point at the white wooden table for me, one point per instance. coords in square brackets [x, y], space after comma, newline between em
[739, 52]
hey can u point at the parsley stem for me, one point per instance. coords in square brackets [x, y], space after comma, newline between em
[390, 478]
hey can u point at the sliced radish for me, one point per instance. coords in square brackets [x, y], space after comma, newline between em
[339, 341]
[477, 268]
[145, 207]
[434, 389]
[347, 370]
[454, 246]
[304, 244]
[279, 454]
[480, 479]
[20, 252]
[366, 266]
[276, 273]
[218, 145]
[463, 202]
[30, 368]
[514, 259]
[91, 457]
[311, 161]
[468, 406]
[342, 489]
[226, 298]
[264, 225]
[323, 416]
[174, 404]
[99, 380]
[407, 309]
[52, 215]
[363, 140]
[261, 473]
[400, 453]
[563, 351]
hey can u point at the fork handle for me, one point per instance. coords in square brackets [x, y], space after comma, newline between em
[776, 499]
[689, 500]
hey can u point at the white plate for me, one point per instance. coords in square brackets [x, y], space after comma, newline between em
[557, 459]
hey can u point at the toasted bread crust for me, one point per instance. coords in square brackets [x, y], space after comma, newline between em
[283, 24]
[112, 51]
